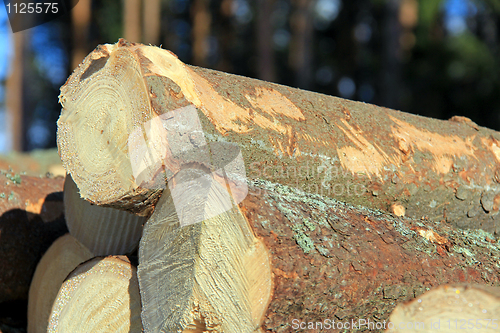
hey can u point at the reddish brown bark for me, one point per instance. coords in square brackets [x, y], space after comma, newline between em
[336, 261]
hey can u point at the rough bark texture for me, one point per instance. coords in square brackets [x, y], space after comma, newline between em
[335, 261]
[31, 218]
[350, 151]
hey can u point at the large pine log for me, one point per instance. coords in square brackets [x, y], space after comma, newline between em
[354, 152]
[208, 276]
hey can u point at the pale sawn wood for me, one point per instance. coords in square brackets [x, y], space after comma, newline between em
[100, 295]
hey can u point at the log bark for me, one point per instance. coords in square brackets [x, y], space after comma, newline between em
[335, 261]
[31, 218]
[350, 151]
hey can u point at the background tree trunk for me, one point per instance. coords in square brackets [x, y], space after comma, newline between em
[132, 20]
[202, 20]
[302, 43]
[80, 15]
[14, 95]
[151, 16]
[391, 56]
[265, 50]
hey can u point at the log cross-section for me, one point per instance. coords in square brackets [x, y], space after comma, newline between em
[214, 275]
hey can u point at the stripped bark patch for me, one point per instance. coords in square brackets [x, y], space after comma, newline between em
[398, 209]
[230, 116]
[443, 148]
[493, 145]
[365, 158]
[431, 236]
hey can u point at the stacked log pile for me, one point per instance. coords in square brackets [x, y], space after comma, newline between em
[31, 219]
[264, 207]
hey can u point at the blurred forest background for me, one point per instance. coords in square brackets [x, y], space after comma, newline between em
[436, 58]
